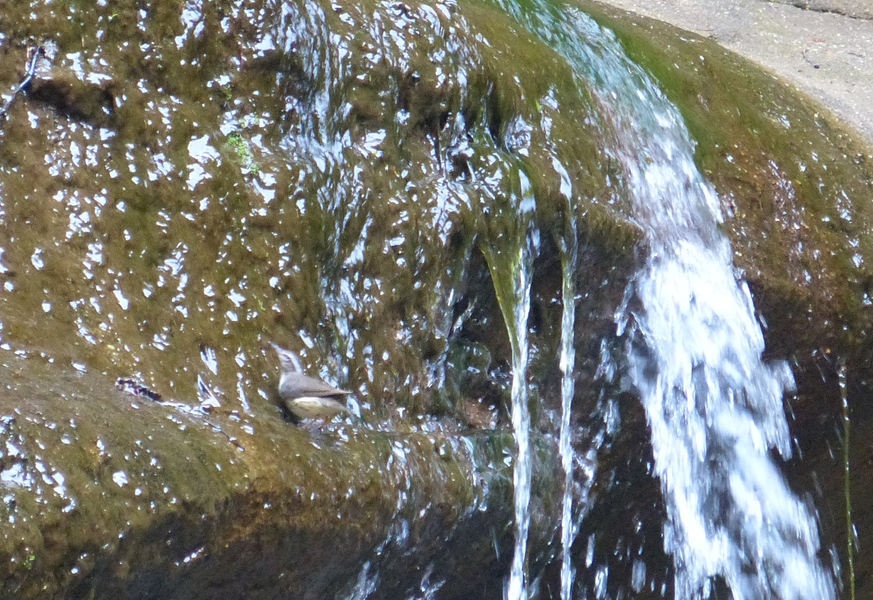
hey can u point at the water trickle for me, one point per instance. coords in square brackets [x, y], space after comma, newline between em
[511, 271]
[521, 473]
[569, 260]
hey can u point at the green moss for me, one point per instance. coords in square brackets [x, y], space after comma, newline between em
[795, 187]
[122, 496]
[243, 151]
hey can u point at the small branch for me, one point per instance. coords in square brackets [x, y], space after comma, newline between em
[34, 54]
[811, 62]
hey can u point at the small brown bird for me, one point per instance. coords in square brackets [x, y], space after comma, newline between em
[306, 397]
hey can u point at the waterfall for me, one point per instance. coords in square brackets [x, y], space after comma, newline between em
[693, 354]
[693, 346]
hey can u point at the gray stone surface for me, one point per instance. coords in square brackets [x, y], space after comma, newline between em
[859, 9]
[825, 50]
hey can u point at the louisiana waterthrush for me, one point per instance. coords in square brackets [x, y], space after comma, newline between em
[307, 397]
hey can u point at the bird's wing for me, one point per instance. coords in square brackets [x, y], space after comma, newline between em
[304, 385]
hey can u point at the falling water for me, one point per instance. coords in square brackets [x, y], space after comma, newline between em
[521, 474]
[511, 268]
[694, 355]
[514, 297]
[693, 345]
[569, 253]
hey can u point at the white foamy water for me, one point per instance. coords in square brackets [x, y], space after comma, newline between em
[715, 411]
[693, 354]
[693, 345]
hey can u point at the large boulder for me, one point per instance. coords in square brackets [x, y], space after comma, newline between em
[180, 186]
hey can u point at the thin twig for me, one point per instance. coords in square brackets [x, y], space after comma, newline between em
[34, 55]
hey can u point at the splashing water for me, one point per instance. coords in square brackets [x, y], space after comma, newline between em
[693, 346]
[694, 355]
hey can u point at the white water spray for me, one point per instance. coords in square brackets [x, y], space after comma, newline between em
[694, 355]
[693, 345]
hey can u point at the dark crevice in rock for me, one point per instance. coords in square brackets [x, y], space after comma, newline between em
[849, 12]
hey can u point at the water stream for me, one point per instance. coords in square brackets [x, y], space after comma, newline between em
[694, 352]
[512, 270]
[569, 262]
[693, 347]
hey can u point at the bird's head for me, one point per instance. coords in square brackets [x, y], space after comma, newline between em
[289, 360]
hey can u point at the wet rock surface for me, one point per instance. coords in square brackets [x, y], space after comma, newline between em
[107, 495]
[180, 187]
[821, 46]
